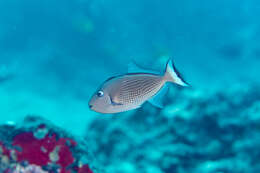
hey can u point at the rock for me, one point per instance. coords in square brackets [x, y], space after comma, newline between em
[37, 146]
[197, 132]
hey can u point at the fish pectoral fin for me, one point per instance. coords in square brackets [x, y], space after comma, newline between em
[157, 99]
[115, 103]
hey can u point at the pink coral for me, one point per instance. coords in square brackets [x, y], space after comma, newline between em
[37, 151]
[41, 148]
[84, 169]
[4, 150]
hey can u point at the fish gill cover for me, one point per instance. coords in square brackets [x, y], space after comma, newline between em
[54, 55]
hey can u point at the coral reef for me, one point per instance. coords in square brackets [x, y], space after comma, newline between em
[196, 132]
[27, 169]
[36, 146]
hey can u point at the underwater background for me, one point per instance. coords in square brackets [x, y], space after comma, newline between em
[55, 54]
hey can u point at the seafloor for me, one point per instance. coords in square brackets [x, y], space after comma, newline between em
[217, 132]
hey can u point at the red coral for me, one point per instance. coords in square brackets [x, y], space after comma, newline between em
[65, 155]
[33, 150]
[36, 151]
[85, 169]
[5, 151]
[40, 152]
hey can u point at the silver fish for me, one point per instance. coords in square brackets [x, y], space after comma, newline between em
[130, 91]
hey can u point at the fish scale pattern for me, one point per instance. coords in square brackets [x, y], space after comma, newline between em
[136, 89]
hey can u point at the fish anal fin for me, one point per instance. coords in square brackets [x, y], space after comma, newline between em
[157, 99]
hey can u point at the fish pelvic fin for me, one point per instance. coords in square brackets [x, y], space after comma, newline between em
[158, 99]
[172, 75]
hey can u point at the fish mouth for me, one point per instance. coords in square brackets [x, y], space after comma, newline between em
[90, 106]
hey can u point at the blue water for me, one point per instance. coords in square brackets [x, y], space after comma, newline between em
[54, 54]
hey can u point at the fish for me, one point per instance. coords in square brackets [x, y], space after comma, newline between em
[131, 90]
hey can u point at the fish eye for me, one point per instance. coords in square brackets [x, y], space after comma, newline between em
[100, 93]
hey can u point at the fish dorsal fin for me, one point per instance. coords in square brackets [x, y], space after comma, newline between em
[157, 99]
[135, 68]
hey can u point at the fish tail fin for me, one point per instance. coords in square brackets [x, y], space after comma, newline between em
[172, 75]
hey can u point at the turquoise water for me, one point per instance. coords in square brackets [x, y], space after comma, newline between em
[54, 55]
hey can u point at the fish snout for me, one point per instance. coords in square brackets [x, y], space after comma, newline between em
[90, 106]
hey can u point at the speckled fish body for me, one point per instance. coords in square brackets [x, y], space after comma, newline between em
[130, 91]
